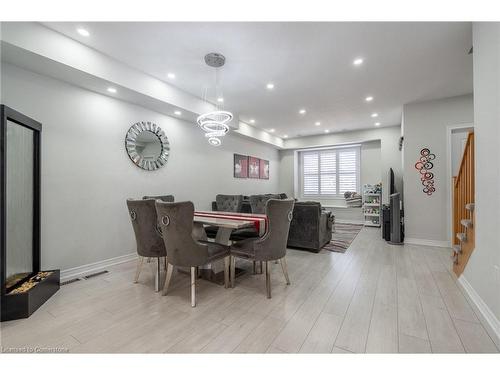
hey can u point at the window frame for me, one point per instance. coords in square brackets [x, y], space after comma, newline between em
[300, 170]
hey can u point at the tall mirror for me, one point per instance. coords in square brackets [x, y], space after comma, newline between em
[147, 145]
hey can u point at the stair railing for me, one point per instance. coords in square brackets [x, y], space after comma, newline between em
[463, 208]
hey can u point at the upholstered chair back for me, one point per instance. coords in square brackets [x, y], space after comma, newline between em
[176, 223]
[147, 235]
[164, 198]
[273, 244]
[258, 202]
[229, 203]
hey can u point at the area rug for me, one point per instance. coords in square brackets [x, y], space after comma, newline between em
[342, 237]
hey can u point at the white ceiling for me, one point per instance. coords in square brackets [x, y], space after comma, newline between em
[309, 63]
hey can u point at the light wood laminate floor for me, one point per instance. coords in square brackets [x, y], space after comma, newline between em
[374, 298]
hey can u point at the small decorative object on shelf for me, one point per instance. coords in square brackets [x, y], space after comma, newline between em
[372, 206]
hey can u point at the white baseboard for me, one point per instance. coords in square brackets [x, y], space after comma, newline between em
[489, 320]
[86, 269]
[421, 241]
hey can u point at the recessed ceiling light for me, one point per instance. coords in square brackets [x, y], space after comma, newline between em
[270, 86]
[220, 100]
[272, 130]
[171, 75]
[358, 61]
[302, 111]
[327, 131]
[369, 98]
[377, 124]
[285, 136]
[374, 114]
[252, 121]
[112, 90]
[178, 113]
[83, 32]
[317, 123]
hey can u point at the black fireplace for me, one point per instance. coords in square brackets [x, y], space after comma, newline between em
[24, 286]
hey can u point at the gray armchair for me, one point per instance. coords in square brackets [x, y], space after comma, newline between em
[311, 227]
[272, 246]
[176, 223]
[148, 238]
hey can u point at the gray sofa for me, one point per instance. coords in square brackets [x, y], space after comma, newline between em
[311, 227]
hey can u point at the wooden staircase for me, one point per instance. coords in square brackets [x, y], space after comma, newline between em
[463, 209]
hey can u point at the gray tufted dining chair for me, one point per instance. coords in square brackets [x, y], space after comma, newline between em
[271, 246]
[164, 198]
[176, 223]
[229, 203]
[148, 237]
[258, 202]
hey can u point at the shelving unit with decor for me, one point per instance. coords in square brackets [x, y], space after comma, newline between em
[372, 205]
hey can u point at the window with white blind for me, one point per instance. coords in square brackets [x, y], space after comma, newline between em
[329, 172]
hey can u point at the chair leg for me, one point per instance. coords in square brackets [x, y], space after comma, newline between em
[193, 286]
[165, 264]
[254, 267]
[233, 270]
[168, 277]
[268, 279]
[261, 268]
[284, 267]
[138, 270]
[227, 267]
[157, 274]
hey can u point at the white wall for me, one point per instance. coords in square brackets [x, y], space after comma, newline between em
[480, 272]
[371, 163]
[425, 125]
[87, 175]
[458, 140]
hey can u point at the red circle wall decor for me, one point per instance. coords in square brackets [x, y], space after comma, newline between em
[424, 164]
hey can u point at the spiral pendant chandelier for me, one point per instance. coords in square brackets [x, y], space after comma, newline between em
[215, 124]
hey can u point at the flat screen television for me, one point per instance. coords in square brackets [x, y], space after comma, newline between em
[392, 186]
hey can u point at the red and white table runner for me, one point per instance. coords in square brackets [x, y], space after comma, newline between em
[260, 221]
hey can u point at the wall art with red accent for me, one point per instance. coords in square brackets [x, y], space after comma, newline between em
[264, 169]
[240, 166]
[424, 165]
[253, 167]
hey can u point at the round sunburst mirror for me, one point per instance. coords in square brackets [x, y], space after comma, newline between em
[147, 145]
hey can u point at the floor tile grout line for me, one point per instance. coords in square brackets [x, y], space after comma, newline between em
[373, 305]
[346, 266]
[284, 326]
[447, 309]
[365, 255]
[394, 255]
[420, 302]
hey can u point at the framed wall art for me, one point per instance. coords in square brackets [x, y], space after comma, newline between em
[253, 167]
[264, 169]
[240, 166]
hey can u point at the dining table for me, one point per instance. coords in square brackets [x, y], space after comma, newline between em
[226, 223]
